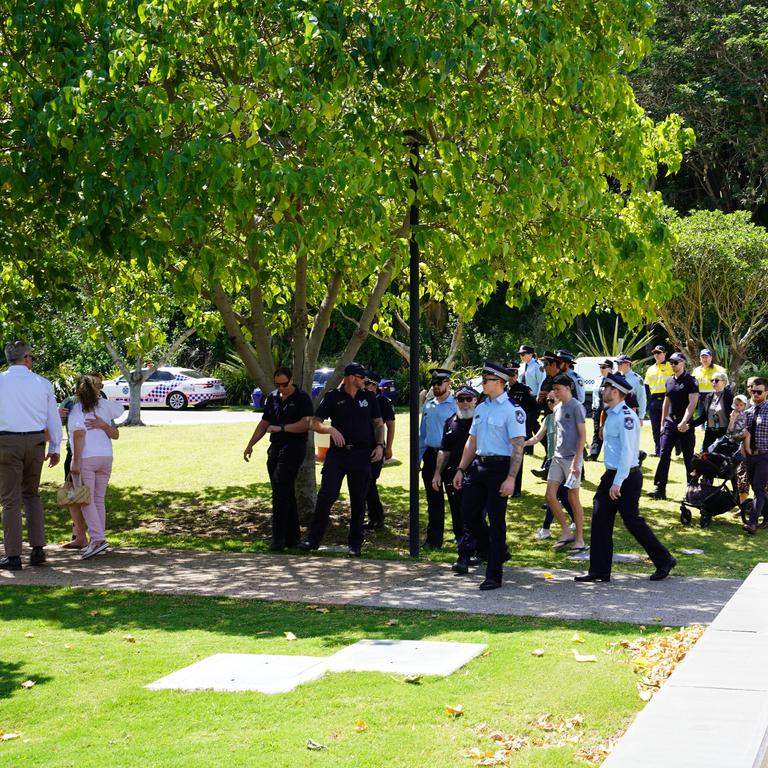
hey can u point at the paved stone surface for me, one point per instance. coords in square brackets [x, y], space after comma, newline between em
[392, 584]
[244, 672]
[404, 657]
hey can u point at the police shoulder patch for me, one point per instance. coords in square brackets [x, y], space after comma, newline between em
[520, 416]
[629, 423]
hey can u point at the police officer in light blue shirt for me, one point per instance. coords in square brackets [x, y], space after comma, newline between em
[620, 487]
[486, 473]
[624, 365]
[566, 359]
[531, 370]
[436, 412]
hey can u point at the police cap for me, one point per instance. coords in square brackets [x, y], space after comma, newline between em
[439, 375]
[607, 364]
[465, 389]
[617, 381]
[491, 368]
[677, 357]
[565, 356]
[549, 356]
[354, 369]
[562, 379]
[659, 348]
[525, 349]
[623, 359]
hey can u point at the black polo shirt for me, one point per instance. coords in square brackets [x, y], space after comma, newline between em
[455, 434]
[522, 395]
[351, 415]
[280, 412]
[678, 389]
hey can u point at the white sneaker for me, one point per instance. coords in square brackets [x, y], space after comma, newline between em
[573, 526]
[542, 533]
[93, 548]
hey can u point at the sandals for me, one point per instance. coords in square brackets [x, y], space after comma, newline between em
[560, 543]
[75, 544]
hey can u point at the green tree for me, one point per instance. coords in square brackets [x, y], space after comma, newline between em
[708, 64]
[721, 262]
[261, 154]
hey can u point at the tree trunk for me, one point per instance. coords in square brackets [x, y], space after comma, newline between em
[306, 483]
[135, 380]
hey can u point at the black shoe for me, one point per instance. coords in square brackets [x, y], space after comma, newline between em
[662, 573]
[489, 584]
[11, 563]
[540, 473]
[750, 528]
[643, 456]
[37, 557]
[308, 546]
[591, 577]
[658, 493]
[353, 551]
[461, 566]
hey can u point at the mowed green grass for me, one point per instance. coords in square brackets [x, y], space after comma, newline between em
[89, 708]
[201, 469]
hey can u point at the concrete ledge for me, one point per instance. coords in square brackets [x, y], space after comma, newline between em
[713, 710]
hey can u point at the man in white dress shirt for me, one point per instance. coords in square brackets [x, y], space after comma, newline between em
[27, 410]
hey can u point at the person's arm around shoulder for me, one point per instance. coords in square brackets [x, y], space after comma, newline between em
[77, 429]
[53, 426]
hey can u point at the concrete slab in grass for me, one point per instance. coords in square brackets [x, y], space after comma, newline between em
[695, 727]
[244, 672]
[404, 657]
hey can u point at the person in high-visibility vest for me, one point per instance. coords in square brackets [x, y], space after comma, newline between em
[656, 380]
[704, 372]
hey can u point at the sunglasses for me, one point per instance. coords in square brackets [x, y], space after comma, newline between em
[464, 399]
[282, 384]
[551, 400]
[606, 367]
[658, 353]
[758, 391]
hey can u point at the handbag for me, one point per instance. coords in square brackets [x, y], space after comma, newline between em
[70, 495]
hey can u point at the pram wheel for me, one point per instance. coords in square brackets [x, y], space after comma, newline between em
[685, 515]
[746, 510]
[706, 521]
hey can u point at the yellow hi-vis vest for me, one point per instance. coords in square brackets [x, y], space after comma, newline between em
[704, 377]
[656, 377]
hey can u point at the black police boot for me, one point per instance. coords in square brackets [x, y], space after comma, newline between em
[662, 573]
[308, 546]
[461, 566]
[11, 563]
[37, 557]
[659, 492]
[591, 577]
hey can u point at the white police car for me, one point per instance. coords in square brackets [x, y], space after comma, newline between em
[175, 388]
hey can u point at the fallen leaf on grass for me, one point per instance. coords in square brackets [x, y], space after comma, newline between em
[537, 652]
[129, 638]
[103, 593]
[580, 657]
[577, 638]
[29, 634]
[95, 613]
[27, 683]
[361, 725]
[67, 647]
[543, 723]
[289, 636]
[548, 576]
[646, 695]
[456, 710]
[572, 723]
[391, 622]
[315, 745]
[8, 736]
[412, 679]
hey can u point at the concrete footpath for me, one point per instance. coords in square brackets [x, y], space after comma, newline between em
[383, 584]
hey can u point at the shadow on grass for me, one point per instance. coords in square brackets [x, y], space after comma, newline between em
[97, 613]
[13, 674]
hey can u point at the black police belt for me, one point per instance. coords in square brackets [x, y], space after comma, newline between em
[610, 471]
[353, 447]
[491, 459]
[658, 396]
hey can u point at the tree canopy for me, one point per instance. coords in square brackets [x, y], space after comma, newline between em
[258, 154]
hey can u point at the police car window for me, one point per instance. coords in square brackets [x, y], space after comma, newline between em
[321, 377]
[161, 376]
[193, 374]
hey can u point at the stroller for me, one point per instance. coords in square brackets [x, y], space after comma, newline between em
[705, 492]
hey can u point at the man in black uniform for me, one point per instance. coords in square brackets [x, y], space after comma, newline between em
[357, 439]
[372, 500]
[677, 412]
[620, 487]
[455, 434]
[287, 412]
[522, 395]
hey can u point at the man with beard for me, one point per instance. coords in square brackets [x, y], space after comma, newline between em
[436, 412]
[455, 434]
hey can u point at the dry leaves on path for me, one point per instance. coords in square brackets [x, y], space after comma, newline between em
[455, 710]
[315, 746]
[657, 657]
[582, 658]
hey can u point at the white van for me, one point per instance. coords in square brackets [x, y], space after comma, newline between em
[588, 369]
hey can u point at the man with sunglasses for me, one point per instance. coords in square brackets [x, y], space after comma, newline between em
[357, 440]
[680, 401]
[287, 412]
[619, 489]
[455, 435]
[372, 500]
[27, 411]
[437, 410]
[656, 380]
[486, 473]
[756, 450]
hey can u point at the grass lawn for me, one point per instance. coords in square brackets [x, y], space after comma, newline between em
[189, 487]
[88, 706]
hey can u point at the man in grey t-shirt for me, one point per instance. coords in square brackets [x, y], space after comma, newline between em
[571, 435]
